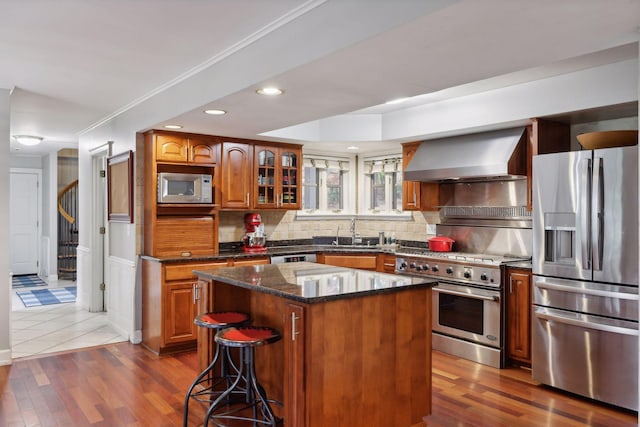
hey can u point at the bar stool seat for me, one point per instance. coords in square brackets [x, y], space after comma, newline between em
[256, 408]
[207, 384]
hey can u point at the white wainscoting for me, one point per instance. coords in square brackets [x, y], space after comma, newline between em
[120, 297]
[83, 279]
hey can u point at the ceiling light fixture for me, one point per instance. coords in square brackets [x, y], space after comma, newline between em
[173, 126]
[215, 112]
[271, 91]
[353, 147]
[28, 139]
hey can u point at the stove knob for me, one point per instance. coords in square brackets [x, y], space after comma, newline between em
[412, 265]
[426, 267]
[449, 270]
[403, 265]
[435, 269]
[484, 276]
[467, 275]
[418, 268]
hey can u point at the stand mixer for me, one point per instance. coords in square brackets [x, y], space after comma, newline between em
[254, 238]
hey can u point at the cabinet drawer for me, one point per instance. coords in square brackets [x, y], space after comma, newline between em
[364, 262]
[184, 271]
[250, 261]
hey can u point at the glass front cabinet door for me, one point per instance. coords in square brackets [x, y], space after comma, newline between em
[276, 183]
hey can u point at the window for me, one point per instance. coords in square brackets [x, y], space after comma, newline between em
[325, 185]
[382, 185]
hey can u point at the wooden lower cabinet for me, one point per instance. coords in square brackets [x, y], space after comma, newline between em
[386, 263]
[519, 301]
[375, 262]
[172, 297]
[352, 362]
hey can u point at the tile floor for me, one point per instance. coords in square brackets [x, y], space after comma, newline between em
[58, 327]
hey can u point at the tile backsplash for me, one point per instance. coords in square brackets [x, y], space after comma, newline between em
[283, 225]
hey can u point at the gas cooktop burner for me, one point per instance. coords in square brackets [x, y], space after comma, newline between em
[477, 269]
[483, 259]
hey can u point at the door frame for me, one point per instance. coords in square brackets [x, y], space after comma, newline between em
[99, 242]
[37, 172]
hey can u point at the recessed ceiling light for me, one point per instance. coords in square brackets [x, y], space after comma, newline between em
[173, 126]
[353, 147]
[396, 101]
[215, 112]
[270, 90]
[28, 139]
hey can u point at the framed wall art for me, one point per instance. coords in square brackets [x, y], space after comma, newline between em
[120, 187]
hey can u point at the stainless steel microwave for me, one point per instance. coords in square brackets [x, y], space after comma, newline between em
[184, 188]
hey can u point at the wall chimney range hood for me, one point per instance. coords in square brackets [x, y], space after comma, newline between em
[493, 155]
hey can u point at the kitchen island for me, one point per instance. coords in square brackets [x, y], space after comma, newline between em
[356, 347]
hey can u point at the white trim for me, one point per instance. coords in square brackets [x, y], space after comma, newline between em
[250, 39]
[304, 216]
[5, 357]
[99, 242]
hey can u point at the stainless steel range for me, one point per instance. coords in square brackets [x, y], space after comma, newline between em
[468, 302]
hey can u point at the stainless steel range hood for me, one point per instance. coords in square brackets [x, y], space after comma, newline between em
[488, 155]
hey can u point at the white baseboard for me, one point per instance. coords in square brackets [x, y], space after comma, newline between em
[5, 357]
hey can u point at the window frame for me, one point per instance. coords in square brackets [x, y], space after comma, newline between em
[348, 187]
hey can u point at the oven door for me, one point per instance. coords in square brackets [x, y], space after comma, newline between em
[467, 312]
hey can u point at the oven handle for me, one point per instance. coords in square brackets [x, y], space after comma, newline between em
[583, 291]
[582, 324]
[464, 294]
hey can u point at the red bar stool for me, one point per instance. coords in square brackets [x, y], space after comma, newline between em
[256, 408]
[209, 382]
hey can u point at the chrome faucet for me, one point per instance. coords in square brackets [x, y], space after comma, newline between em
[337, 241]
[355, 238]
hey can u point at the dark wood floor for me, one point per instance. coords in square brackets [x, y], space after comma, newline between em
[125, 385]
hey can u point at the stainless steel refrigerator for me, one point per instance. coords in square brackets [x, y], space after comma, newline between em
[585, 267]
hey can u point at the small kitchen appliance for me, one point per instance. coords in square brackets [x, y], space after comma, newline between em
[254, 239]
[179, 188]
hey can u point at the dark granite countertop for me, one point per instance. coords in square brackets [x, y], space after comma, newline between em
[278, 250]
[525, 265]
[309, 282]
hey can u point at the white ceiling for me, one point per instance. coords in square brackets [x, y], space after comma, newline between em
[73, 63]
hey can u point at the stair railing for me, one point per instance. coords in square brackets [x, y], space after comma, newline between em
[67, 231]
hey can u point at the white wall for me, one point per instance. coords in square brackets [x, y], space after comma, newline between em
[5, 283]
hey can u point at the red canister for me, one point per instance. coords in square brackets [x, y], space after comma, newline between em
[441, 244]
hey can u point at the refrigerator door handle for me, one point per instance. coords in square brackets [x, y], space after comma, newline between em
[597, 213]
[585, 209]
[554, 315]
[555, 286]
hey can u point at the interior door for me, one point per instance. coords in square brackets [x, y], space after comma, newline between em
[24, 223]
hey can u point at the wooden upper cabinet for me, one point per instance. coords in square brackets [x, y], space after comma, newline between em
[276, 183]
[545, 136]
[171, 148]
[236, 175]
[417, 196]
[202, 151]
[176, 148]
